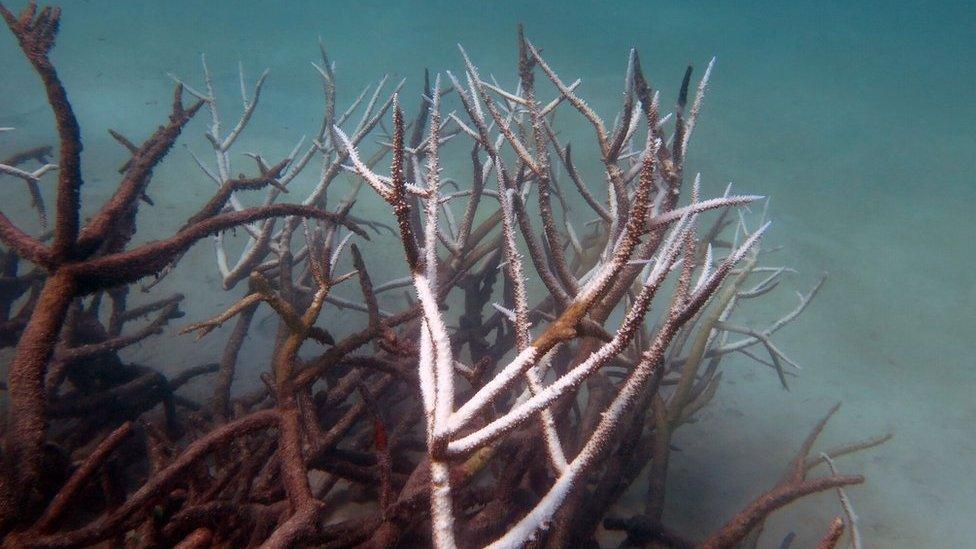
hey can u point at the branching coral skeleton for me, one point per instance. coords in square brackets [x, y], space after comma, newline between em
[460, 417]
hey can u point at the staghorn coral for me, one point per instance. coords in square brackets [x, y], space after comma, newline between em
[467, 435]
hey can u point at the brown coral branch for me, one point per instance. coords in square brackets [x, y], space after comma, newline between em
[834, 532]
[219, 200]
[198, 539]
[25, 245]
[739, 526]
[106, 225]
[155, 327]
[228, 361]
[108, 525]
[59, 503]
[399, 199]
[129, 266]
[36, 33]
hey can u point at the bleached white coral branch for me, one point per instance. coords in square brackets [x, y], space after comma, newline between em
[542, 513]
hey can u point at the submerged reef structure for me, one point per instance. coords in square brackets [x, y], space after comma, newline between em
[487, 411]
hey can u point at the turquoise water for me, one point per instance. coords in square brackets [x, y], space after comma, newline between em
[855, 118]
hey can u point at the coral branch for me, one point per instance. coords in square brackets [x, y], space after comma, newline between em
[36, 33]
[148, 259]
[81, 475]
[739, 527]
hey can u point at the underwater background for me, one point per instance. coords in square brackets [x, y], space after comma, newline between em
[856, 118]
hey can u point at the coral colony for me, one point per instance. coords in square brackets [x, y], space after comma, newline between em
[458, 420]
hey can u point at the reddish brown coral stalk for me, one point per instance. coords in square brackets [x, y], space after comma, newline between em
[833, 535]
[198, 539]
[27, 423]
[739, 527]
[36, 33]
[129, 266]
[109, 525]
[81, 475]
